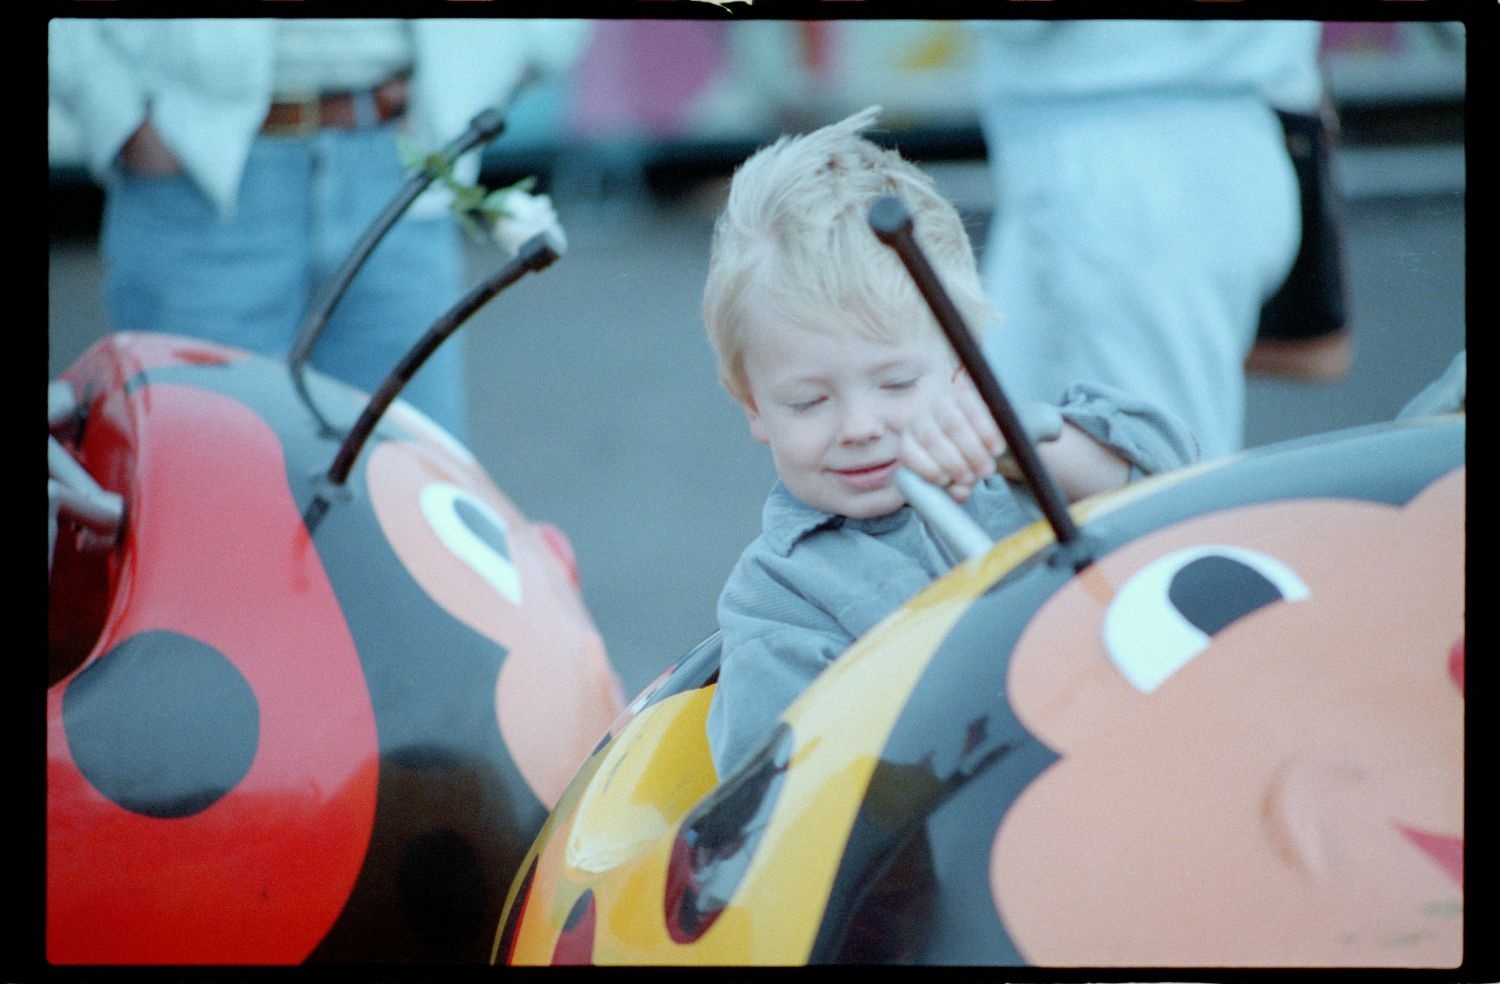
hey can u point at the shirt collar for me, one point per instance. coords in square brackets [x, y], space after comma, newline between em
[786, 519]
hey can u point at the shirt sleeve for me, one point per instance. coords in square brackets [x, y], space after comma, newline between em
[775, 642]
[1145, 435]
[206, 82]
[101, 90]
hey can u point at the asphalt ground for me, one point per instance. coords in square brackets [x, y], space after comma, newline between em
[594, 402]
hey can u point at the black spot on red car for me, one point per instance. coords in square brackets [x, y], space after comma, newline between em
[163, 724]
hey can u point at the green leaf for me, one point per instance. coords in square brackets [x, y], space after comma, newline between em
[476, 232]
[467, 198]
[436, 166]
[476, 207]
[407, 150]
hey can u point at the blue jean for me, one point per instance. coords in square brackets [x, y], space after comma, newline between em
[173, 264]
[1134, 241]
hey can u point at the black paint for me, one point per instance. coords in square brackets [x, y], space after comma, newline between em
[483, 527]
[1215, 590]
[163, 724]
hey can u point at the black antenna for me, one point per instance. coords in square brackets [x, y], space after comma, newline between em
[484, 127]
[892, 225]
[535, 254]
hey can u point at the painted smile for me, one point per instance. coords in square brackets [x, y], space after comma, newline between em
[1446, 850]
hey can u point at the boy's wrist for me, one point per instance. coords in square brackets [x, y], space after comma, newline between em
[1041, 421]
[1082, 464]
[1043, 424]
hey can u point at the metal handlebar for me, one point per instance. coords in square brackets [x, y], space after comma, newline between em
[72, 494]
[953, 528]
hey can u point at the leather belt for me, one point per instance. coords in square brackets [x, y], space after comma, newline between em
[338, 110]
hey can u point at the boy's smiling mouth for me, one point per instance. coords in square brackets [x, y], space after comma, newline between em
[867, 478]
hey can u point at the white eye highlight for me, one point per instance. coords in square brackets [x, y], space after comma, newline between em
[1167, 613]
[475, 533]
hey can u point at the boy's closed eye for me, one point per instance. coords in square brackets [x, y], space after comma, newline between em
[803, 406]
[899, 385]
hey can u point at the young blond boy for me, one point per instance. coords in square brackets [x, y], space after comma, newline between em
[842, 371]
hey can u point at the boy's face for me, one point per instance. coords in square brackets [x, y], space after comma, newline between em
[832, 406]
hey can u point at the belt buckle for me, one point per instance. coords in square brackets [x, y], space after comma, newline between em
[309, 115]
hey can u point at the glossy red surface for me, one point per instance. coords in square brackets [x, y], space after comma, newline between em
[289, 723]
[261, 874]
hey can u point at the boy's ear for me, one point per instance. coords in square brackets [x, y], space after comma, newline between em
[757, 429]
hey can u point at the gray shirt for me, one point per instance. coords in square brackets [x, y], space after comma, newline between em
[813, 582]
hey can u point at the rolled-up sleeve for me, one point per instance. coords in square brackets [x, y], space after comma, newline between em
[1148, 437]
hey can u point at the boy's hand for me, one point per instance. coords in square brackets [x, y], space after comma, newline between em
[953, 442]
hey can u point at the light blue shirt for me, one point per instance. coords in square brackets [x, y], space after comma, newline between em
[813, 582]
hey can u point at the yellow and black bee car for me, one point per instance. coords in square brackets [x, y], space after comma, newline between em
[1215, 719]
[1234, 739]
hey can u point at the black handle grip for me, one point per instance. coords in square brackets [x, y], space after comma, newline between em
[892, 224]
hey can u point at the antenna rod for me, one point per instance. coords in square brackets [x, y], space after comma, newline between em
[535, 254]
[892, 225]
[484, 127]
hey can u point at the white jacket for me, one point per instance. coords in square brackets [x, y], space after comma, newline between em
[207, 83]
[1029, 60]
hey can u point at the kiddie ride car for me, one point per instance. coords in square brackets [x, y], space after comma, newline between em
[315, 685]
[314, 681]
[1219, 723]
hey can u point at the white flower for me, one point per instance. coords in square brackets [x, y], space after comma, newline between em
[522, 215]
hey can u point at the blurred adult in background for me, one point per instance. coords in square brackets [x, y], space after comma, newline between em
[1305, 332]
[1146, 205]
[243, 159]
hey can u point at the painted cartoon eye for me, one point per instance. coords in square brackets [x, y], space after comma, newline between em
[476, 534]
[1167, 613]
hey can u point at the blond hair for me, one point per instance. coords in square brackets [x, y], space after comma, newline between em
[795, 236]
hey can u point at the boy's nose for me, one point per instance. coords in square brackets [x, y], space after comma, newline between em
[860, 423]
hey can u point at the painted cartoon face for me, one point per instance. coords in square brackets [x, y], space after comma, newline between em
[832, 404]
[509, 587]
[1276, 781]
[1234, 740]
